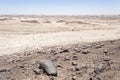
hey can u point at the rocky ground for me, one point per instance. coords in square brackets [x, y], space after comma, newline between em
[90, 61]
[59, 47]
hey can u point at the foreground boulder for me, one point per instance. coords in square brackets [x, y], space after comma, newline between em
[48, 67]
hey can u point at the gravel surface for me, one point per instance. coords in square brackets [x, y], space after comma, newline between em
[101, 63]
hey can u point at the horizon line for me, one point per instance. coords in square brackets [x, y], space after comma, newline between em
[65, 14]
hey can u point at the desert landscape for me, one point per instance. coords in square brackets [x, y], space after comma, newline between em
[34, 47]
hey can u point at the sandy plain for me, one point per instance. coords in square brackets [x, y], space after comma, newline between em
[19, 33]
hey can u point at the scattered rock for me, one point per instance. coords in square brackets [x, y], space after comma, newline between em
[101, 68]
[106, 59]
[86, 46]
[72, 69]
[48, 67]
[91, 79]
[59, 65]
[80, 67]
[3, 70]
[98, 46]
[54, 51]
[64, 50]
[66, 58]
[77, 50]
[22, 66]
[75, 57]
[74, 78]
[85, 51]
[77, 68]
[98, 78]
[38, 71]
[67, 64]
[74, 63]
[105, 51]
[57, 50]
[52, 78]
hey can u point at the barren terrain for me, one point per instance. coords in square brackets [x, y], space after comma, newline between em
[78, 46]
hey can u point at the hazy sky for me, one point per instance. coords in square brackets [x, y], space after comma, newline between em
[60, 7]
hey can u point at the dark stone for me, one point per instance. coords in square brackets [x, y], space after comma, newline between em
[75, 57]
[59, 65]
[74, 78]
[3, 70]
[74, 63]
[90, 79]
[77, 68]
[85, 51]
[105, 51]
[21, 66]
[65, 50]
[98, 46]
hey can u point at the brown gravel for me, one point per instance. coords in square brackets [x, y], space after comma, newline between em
[101, 63]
